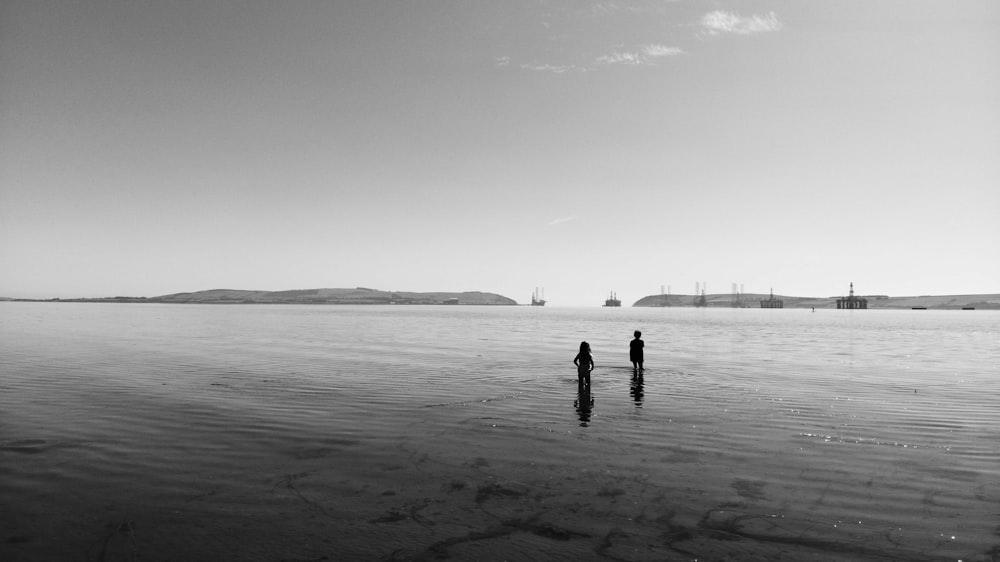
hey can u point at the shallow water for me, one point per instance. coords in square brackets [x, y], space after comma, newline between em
[166, 432]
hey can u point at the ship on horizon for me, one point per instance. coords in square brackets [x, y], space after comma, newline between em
[612, 300]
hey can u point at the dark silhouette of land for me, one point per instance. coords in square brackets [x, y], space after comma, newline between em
[359, 295]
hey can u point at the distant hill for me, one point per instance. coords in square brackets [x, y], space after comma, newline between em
[752, 300]
[358, 295]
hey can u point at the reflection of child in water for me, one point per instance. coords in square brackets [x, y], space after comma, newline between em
[635, 352]
[584, 362]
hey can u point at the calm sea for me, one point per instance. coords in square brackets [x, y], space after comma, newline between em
[199, 432]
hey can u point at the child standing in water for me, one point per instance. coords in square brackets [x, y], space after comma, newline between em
[584, 362]
[635, 352]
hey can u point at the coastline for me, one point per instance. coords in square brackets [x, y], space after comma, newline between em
[365, 296]
[359, 295]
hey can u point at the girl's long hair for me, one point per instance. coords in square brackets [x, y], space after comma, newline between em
[584, 347]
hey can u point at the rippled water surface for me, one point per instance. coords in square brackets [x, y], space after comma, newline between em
[172, 432]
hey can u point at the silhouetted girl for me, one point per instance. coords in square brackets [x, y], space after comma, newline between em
[584, 362]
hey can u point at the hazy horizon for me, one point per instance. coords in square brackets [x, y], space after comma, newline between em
[749, 296]
[584, 147]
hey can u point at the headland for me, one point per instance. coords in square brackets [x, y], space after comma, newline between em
[359, 295]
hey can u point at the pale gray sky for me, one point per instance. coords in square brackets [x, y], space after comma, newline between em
[164, 146]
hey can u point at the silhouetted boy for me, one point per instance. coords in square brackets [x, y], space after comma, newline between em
[635, 352]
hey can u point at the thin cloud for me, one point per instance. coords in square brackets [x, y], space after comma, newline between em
[645, 55]
[559, 221]
[621, 58]
[502, 61]
[657, 51]
[720, 22]
[604, 9]
[556, 68]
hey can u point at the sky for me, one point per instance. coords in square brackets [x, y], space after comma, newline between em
[153, 147]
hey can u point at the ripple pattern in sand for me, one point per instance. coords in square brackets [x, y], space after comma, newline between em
[263, 433]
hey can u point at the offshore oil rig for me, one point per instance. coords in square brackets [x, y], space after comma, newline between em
[852, 302]
[772, 302]
[737, 300]
[699, 294]
[538, 299]
[612, 300]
